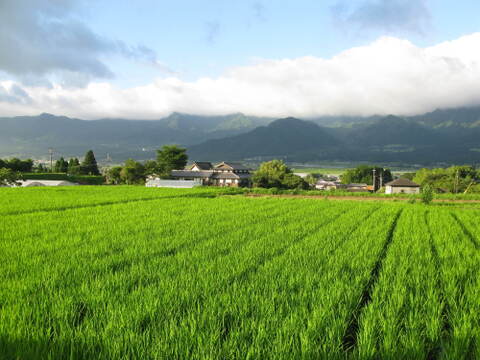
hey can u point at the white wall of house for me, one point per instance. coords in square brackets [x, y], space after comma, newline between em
[173, 183]
[401, 190]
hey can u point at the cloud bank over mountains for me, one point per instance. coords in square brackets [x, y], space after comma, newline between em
[389, 75]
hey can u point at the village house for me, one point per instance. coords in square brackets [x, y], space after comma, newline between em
[223, 174]
[327, 185]
[337, 185]
[402, 186]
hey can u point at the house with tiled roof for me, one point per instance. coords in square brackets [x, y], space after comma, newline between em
[223, 174]
[402, 186]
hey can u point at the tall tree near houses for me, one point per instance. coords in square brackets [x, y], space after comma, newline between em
[171, 157]
[73, 166]
[276, 174]
[132, 172]
[89, 164]
[61, 165]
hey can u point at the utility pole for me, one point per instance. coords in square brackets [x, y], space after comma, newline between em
[374, 180]
[381, 178]
[50, 151]
[456, 182]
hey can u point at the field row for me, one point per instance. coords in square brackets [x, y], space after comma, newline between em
[16, 201]
[215, 278]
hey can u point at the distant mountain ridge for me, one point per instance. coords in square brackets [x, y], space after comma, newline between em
[412, 140]
[31, 136]
[441, 136]
[279, 138]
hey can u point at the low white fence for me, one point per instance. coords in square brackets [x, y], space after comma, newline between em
[173, 183]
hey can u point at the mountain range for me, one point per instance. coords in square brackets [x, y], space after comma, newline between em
[441, 136]
[32, 136]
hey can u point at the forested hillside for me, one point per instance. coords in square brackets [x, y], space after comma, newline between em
[442, 136]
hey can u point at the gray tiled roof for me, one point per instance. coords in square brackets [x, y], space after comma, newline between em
[188, 173]
[402, 183]
[203, 165]
[225, 175]
[233, 165]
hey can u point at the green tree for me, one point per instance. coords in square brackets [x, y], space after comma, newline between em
[311, 179]
[150, 167]
[114, 175]
[171, 157]
[427, 194]
[16, 164]
[73, 166]
[132, 172]
[275, 174]
[454, 179]
[89, 164]
[40, 168]
[408, 175]
[9, 177]
[292, 181]
[364, 174]
[61, 165]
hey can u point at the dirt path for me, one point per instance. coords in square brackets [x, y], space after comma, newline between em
[359, 198]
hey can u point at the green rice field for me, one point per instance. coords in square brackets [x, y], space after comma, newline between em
[143, 273]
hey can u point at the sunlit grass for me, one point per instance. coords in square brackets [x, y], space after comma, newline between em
[130, 272]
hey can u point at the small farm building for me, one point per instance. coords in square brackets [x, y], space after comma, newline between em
[30, 183]
[402, 186]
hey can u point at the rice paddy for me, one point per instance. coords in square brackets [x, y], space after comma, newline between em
[131, 272]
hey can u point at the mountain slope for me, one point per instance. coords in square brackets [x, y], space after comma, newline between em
[388, 139]
[442, 136]
[288, 137]
[394, 130]
[27, 136]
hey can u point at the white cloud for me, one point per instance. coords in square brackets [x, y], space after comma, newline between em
[390, 75]
[44, 38]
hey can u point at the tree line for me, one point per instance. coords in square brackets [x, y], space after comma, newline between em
[270, 174]
[73, 166]
[169, 157]
[13, 170]
[454, 179]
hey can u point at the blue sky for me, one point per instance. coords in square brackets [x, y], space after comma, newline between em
[203, 38]
[146, 58]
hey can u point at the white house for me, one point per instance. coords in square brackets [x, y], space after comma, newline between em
[223, 174]
[402, 186]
